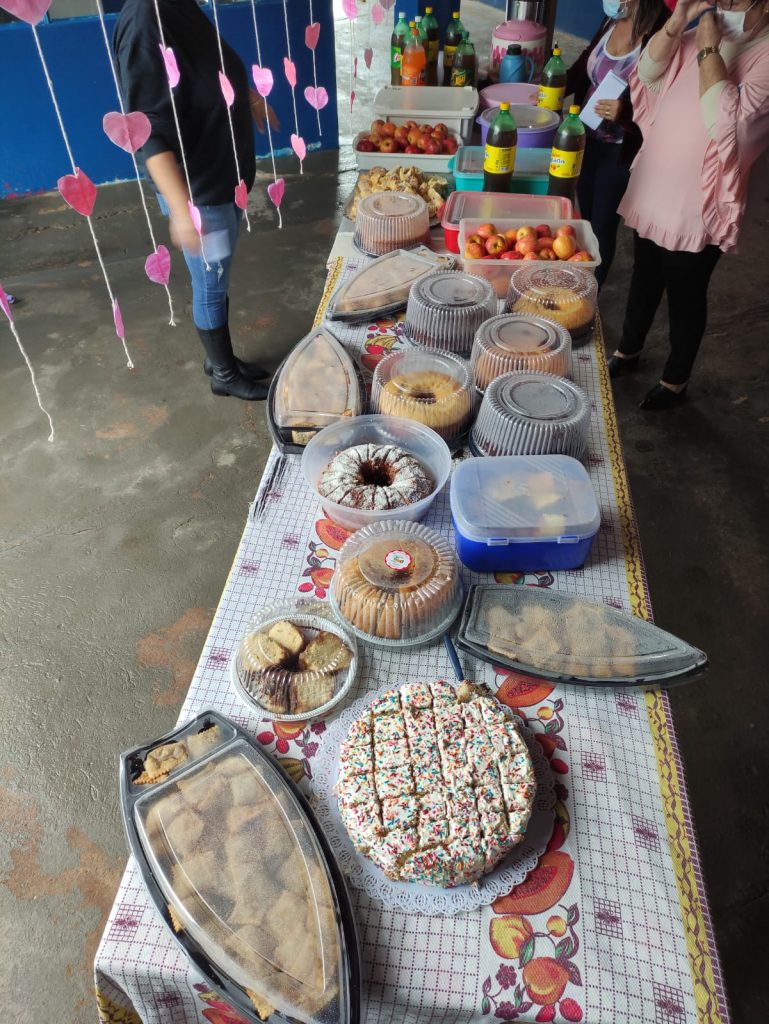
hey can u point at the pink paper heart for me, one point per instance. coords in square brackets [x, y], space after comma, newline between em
[298, 145]
[290, 68]
[387, 4]
[195, 215]
[316, 96]
[241, 195]
[157, 266]
[30, 11]
[227, 91]
[172, 68]
[368, 56]
[352, 99]
[262, 80]
[117, 316]
[276, 190]
[377, 14]
[311, 35]
[127, 131]
[78, 191]
[350, 8]
[355, 67]
[5, 305]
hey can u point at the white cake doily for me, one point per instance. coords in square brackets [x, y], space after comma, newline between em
[412, 897]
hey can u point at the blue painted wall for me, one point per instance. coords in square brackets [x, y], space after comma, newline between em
[32, 154]
[580, 17]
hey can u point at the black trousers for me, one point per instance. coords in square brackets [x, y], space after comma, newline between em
[685, 277]
[601, 186]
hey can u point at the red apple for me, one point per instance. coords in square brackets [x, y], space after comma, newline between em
[366, 146]
[388, 145]
[542, 230]
[389, 129]
[486, 230]
[474, 251]
[411, 149]
[546, 254]
[496, 245]
[511, 254]
[526, 245]
[545, 242]
[422, 141]
[425, 128]
[441, 127]
[477, 239]
[414, 136]
[377, 126]
[531, 256]
[564, 246]
[525, 232]
[411, 124]
[565, 229]
[487, 257]
[432, 147]
[450, 145]
[583, 256]
[402, 135]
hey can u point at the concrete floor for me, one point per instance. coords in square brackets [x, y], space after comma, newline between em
[115, 543]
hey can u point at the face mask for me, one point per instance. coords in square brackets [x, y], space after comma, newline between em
[733, 22]
[615, 9]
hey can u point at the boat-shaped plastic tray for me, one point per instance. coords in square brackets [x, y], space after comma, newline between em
[242, 875]
[565, 639]
[382, 286]
[316, 384]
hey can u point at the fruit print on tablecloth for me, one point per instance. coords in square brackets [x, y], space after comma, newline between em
[316, 576]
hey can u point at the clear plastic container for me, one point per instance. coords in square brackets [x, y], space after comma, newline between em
[508, 92]
[391, 220]
[430, 163]
[523, 513]
[536, 126]
[530, 174]
[295, 662]
[427, 448]
[567, 294]
[456, 108]
[532, 414]
[446, 309]
[514, 343]
[434, 388]
[383, 285]
[488, 205]
[397, 584]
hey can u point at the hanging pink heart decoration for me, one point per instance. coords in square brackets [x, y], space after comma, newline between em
[263, 80]
[377, 14]
[368, 56]
[316, 96]
[352, 99]
[5, 305]
[311, 35]
[241, 195]
[227, 91]
[276, 190]
[355, 67]
[350, 8]
[299, 146]
[290, 68]
[78, 191]
[30, 11]
[172, 68]
[127, 131]
[387, 4]
[157, 266]
[195, 215]
[117, 316]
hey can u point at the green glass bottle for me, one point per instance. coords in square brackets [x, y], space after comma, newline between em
[420, 24]
[552, 88]
[499, 152]
[433, 36]
[463, 69]
[397, 46]
[454, 31]
[566, 156]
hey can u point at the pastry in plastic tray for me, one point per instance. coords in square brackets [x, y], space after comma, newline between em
[374, 476]
[435, 785]
[431, 187]
[391, 220]
[514, 342]
[434, 388]
[382, 285]
[568, 295]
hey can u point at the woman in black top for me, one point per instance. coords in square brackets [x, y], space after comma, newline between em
[208, 149]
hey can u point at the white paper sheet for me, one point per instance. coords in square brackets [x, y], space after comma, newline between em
[611, 88]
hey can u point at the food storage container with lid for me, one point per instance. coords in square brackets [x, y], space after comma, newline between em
[430, 163]
[397, 584]
[508, 92]
[391, 220]
[566, 639]
[532, 414]
[446, 309]
[567, 294]
[536, 126]
[220, 832]
[429, 104]
[523, 513]
[434, 388]
[382, 285]
[530, 174]
[426, 446]
[530, 34]
[515, 343]
[485, 206]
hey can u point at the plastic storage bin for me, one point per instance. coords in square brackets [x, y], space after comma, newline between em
[439, 163]
[523, 513]
[456, 108]
[509, 92]
[564, 292]
[391, 220]
[536, 126]
[446, 309]
[515, 343]
[532, 414]
[488, 205]
[529, 177]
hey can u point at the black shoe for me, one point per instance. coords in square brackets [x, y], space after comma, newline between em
[251, 370]
[662, 398]
[226, 377]
[619, 365]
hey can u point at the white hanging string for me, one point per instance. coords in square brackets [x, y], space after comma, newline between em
[110, 58]
[293, 87]
[112, 299]
[352, 66]
[43, 410]
[315, 71]
[266, 112]
[229, 111]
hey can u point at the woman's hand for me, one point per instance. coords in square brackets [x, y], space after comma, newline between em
[685, 13]
[708, 31]
[184, 234]
[261, 111]
[609, 110]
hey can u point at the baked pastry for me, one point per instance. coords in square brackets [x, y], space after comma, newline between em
[288, 636]
[374, 476]
[561, 305]
[514, 342]
[431, 187]
[435, 786]
[391, 220]
[383, 284]
[434, 389]
[567, 295]
[325, 653]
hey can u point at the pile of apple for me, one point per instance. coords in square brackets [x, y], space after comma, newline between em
[525, 243]
[387, 137]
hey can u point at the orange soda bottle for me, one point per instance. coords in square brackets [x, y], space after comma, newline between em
[414, 60]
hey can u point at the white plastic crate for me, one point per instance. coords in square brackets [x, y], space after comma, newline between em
[428, 104]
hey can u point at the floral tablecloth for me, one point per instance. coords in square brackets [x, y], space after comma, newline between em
[612, 927]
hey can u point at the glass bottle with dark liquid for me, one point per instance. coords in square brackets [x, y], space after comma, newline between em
[566, 156]
[453, 38]
[552, 88]
[464, 67]
[433, 33]
[499, 153]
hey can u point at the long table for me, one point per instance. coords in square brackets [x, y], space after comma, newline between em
[612, 927]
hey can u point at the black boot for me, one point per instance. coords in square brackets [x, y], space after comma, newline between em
[226, 376]
[251, 370]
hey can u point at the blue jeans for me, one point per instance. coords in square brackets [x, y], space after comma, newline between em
[601, 186]
[221, 225]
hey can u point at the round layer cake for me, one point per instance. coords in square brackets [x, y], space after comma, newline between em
[567, 295]
[374, 476]
[432, 388]
[436, 785]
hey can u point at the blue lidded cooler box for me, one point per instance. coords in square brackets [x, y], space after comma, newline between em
[522, 513]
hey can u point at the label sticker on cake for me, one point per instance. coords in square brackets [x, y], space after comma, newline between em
[398, 560]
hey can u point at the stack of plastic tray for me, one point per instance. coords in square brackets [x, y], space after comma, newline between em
[532, 414]
[514, 343]
[566, 294]
[488, 205]
[391, 220]
[446, 309]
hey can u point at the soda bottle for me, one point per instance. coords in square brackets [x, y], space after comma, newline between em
[553, 86]
[499, 154]
[463, 68]
[566, 156]
[453, 38]
[397, 45]
[433, 33]
[414, 62]
[419, 22]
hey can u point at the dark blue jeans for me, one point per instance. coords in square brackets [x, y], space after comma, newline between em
[600, 189]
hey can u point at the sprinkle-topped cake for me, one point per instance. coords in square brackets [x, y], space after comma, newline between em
[435, 785]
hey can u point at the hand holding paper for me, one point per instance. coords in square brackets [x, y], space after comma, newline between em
[611, 88]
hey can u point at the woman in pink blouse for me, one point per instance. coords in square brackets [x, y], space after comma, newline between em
[701, 100]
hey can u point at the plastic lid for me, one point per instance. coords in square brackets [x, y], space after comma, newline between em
[523, 498]
[525, 30]
[532, 414]
[434, 388]
[397, 583]
[514, 48]
[428, 103]
[556, 51]
[504, 106]
[514, 342]
[383, 284]
[526, 117]
[568, 295]
[503, 205]
[574, 108]
[546, 633]
[446, 309]
[391, 220]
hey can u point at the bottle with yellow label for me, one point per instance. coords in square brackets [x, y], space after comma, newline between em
[553, 86]
[453, 38]
[499, 154]
[464, 67]
[566, 157]
[433, 33]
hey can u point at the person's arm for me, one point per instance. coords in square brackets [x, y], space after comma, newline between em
[664, 44]
[163, 168]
